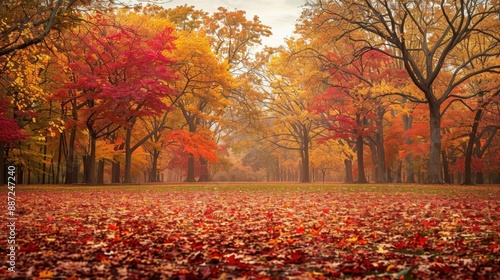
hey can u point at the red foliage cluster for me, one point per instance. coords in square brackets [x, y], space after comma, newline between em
[9, 131]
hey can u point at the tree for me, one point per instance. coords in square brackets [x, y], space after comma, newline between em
[202, 81]
[351, 107]
[292, 81]
[426, 36]
[192, 145]
[21, 95]
[114, 77]
[149, 68]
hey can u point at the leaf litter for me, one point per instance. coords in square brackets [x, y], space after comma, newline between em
[252, 234]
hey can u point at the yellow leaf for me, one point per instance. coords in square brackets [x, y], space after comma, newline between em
[44, 274]
[381, 249]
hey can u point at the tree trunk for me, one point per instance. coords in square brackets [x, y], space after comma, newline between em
[70, 158]
[115, 172]
[91, 170]
[379, 142]
[204, 176]
[399, 172]
[469, 149]
[410, 171]
[76, 171]
[128, 156]
[348, 171]
[190, 170]
[361, 164]
[191, 160]
[100, 172]
[375, 161]
[305, 160]
[446, 169]
[154, 166]
[44, 163]
[59, 159]
[360, 152]
[435, 171]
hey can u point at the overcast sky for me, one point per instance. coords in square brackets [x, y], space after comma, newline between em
[280, 15]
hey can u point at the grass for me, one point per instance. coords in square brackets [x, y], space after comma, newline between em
[417, 189]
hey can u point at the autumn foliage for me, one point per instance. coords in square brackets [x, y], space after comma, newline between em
[106, 94]
[260, 232]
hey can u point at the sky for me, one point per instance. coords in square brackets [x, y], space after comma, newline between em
[280, 15]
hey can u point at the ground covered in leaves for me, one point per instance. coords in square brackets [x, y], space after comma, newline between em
[257, 232]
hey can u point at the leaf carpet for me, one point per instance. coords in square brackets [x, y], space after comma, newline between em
[232, 233]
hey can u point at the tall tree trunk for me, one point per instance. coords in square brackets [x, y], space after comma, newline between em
[70, 158]
[204, 173]
[470, 148]
[191, 160]
[379, 142]
[128, 155]
[100, 172]
[435, 171]
[360, 152]
[410, 171]
[154, 166]
[375, 161]
[361, 164]
[44, 163]
[59, 159]
[446, 169]
[115, 172]
[305, 160]
[76, 171]
[348, 171]
[399, 172]
[91, 160]
[190, 170]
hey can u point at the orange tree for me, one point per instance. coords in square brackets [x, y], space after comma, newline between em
[427, 36]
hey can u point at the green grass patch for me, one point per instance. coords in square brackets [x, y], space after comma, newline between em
[414, 189]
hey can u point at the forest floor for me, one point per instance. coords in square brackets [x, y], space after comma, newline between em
[254, 231]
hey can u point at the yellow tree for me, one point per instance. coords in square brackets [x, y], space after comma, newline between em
[22, 97]
[426, 36]
[236, 39]
[232, 38]
[294, 82]
[201, 84]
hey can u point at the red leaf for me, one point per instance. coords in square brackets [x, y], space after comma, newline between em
[112, 227]
[296, 257]
[419, 239]
[299, 230]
